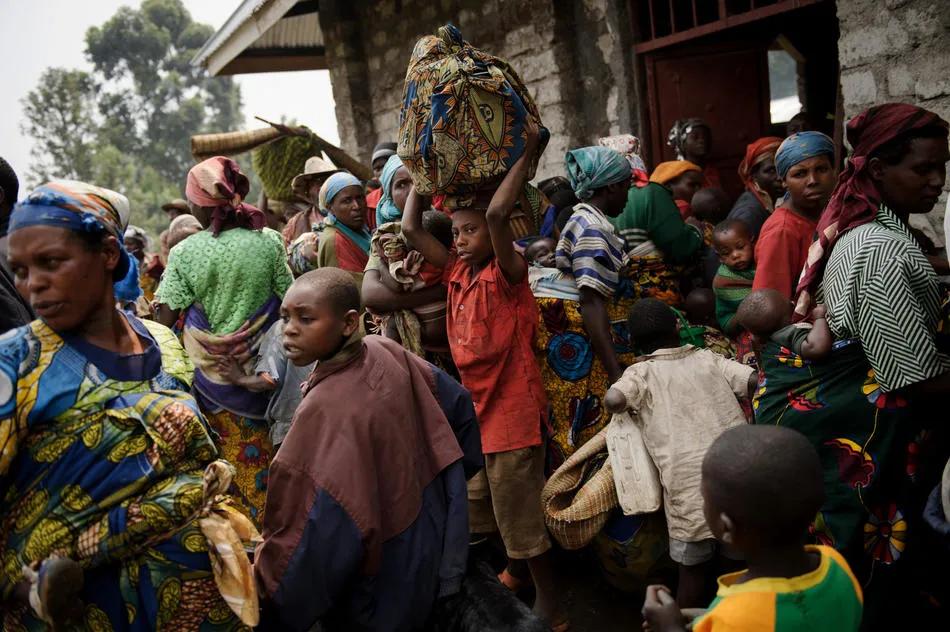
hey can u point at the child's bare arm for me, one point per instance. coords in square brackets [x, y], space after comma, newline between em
[819, 341]
[499, 211]
[427, 245]
[387, 279]
[258, 383]
[615, 401]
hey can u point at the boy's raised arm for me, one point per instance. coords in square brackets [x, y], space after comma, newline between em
[427, 245]
[499, 213]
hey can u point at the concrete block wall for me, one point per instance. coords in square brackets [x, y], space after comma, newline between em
[897, 50]
[574, 57]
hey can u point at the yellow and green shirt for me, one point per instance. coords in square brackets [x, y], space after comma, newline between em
[828, 599]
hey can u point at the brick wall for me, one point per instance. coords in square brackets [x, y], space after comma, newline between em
[897, 50]
[574, 58]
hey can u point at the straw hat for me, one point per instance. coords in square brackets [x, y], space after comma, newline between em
[578, 497]
[316, 168]
[177, 204]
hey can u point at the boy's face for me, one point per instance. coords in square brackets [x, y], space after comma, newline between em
[735, 248]
[313, 330]
[541, 252]
[471, 236]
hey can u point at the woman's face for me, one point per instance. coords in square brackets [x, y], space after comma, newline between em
[135, 248]
[64, 280]
[399, 189]
[697, 143]
[766, 176]
[810, 183]
[686, 186]
[914, 184]
[349, 206]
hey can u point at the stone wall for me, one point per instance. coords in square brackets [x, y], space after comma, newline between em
[897, 50]
[574, 57]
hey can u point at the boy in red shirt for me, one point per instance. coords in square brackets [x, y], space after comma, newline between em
[491, 320]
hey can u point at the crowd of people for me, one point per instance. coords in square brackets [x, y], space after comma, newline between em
[313, 425]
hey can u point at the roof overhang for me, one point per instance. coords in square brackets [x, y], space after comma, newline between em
[266, 36]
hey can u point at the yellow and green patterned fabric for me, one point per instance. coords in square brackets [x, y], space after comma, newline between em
[102, 460]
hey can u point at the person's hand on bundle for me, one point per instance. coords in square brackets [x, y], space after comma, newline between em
[229, 369]
[820, 311]
[660, 612]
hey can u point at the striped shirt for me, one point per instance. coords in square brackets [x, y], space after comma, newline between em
[880, 288]
[591, 250]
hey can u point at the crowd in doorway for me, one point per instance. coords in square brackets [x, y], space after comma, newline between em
[288, 421]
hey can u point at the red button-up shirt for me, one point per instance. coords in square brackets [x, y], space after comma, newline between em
[491, 326]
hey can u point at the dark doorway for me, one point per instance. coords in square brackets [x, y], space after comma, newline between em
[745, 75]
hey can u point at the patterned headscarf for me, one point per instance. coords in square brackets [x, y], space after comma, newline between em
[671, 170]
[334, 184]
[757, 153]
[79, 207]
[678, 133]
[800, 147]
[386, 210]
[592, 168]
[218, 182]
[134, 232]
[856, 199]
[628, 146]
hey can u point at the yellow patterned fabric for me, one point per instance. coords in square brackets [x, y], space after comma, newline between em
[104, 463]
[246, 443]
[464, 116]
[574, 378]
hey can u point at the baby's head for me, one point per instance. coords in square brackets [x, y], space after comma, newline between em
[320, 311]
[710, 205]
[700, 307]
[762, 486]
[653, 325]
[439, 225]
[540, 252]
[734, 244]
[763, 312]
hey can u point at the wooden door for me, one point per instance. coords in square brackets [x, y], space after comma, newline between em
[726, 86]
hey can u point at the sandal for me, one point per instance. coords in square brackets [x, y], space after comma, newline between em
[512, 583]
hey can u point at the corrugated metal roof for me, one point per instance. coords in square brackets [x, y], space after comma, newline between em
[261, 24]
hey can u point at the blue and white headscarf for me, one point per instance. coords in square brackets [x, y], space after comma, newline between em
[386, 209]
[334, 184]
[592, 168]
[800, 147]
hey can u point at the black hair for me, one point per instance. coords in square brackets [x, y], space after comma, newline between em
[552, 186]
[767, 478]
[763, 312]
[729, 224]
[564, 198]
[894, 150]
[336, 286]
[563, 217]
[700, 306]
[9, 183]
[439, 225]
[652, 324]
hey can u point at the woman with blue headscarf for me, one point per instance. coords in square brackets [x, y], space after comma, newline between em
[106, 458]
[342, 240]
[805, 163]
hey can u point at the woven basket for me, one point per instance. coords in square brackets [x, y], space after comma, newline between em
[205, 146]
[578, 497]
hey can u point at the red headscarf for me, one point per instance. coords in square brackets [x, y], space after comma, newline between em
[756, 152]
[855, 200]
[218, 182]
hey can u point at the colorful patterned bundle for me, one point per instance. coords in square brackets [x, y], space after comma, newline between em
[463, 118]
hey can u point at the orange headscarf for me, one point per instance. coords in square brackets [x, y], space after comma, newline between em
[755, 153]
[671, 170]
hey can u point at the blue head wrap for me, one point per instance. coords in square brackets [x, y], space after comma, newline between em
[79, 207]
[386, 210]
[336, 183]
[128, 289]
[592, 168]
[802, 146]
